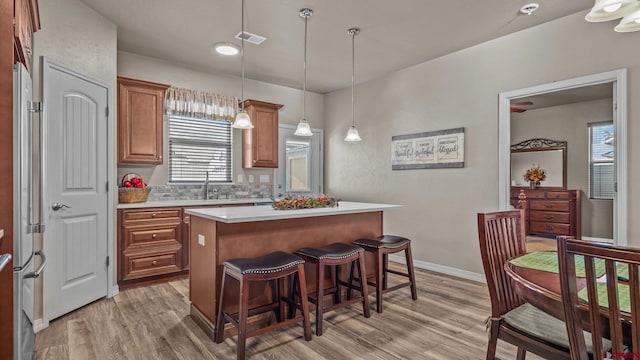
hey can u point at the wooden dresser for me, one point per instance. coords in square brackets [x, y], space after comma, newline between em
[551, 211]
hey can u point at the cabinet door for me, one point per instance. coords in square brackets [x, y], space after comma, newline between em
[27, 21]
[140, 113]
[260, 148]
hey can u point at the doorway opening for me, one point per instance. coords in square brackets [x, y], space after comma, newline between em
[519, 122]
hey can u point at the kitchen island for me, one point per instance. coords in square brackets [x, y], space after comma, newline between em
[219, 234]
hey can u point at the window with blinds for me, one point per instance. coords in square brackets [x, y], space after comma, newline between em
[601, 156]
[198, 146]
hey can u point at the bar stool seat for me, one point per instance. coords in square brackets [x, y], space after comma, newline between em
[336, 254]
[273, 267]
[381, 247]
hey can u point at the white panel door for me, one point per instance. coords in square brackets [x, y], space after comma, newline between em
[75, 155]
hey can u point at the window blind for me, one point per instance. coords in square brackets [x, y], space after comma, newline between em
[601, 161]
[198, 146]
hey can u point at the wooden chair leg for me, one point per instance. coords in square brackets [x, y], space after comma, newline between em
[319, 297]
[412, 273]
[220, 320]
[351, 277]
[522, 354]
[493, 340]
[385, 273]
[293, 292]
[280, 314]
[243, 312]
[304, 303]
[379, 282]
[363, 285]
[337, 296]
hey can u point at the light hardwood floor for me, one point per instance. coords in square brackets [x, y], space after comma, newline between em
[446, 322]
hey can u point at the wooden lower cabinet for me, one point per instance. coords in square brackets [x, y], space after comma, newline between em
[150, 245]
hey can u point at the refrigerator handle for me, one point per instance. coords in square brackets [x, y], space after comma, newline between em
[36, 109]
[43, 264]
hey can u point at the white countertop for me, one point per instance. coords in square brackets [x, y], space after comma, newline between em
[180, 203]
[266, 212]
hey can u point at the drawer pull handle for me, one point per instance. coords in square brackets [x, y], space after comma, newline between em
[548, 227]
[154, 262]
[549, 217]
[548, 205]
[154, 236]
[153, 214]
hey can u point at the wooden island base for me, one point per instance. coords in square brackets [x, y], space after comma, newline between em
[213, 242]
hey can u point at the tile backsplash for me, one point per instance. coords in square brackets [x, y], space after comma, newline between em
[196, 192]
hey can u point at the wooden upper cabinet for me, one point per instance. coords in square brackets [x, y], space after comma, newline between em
[140, 112]
[260, 148]
[26, 22]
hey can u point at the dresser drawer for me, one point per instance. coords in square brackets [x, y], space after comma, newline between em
[150, 263]
[549, 205]
[151, 235]
[151, 214]
[549, 216]
[538, 227]
[558, 195]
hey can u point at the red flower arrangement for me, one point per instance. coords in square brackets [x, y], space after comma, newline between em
[291, 203]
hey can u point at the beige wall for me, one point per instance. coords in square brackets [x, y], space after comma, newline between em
[570, 123]
[156, 70]
[461, 90]
[79, 38]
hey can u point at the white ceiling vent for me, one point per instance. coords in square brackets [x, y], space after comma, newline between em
[251, 38]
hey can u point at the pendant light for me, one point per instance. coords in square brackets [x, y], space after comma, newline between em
[352, 134]
[303, 126]
[242, 120]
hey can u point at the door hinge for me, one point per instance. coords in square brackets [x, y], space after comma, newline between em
[35, 106]
[107, 261]
[35, 229]
[106, 111]
[106, 186]
[615, 106]
[615, 187]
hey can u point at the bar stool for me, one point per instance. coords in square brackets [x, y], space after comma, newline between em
[336, 254]
[381, 247]
[272, 267]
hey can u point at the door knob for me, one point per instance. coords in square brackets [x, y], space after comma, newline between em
[57, 206]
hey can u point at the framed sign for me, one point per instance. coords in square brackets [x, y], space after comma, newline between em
[428, 150]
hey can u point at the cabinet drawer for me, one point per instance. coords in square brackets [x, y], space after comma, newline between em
[149, 263]
[558, 195]
[151, 214]
[549, 228]
[549, 216]
[151, 235]
[549, 205]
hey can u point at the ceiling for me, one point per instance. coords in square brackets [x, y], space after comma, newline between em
[394, 34]
[565, 97]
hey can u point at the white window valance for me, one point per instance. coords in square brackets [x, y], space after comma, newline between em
[200, 104]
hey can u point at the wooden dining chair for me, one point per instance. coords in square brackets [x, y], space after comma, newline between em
[608, 301]
[502, 237]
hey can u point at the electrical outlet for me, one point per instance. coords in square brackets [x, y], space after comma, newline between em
[251, 178]
[200, 239]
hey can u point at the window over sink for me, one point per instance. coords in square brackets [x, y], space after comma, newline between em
[198, 146]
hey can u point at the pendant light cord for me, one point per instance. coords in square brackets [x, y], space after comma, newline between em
[242, 58]
[304, 73]
[353, 77]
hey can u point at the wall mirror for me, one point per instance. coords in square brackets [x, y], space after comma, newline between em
[549, 155]
[298, 166]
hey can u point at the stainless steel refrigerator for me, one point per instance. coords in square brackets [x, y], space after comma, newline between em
[24, 256]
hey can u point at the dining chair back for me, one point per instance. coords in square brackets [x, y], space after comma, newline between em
[502, 237]
[613, 297]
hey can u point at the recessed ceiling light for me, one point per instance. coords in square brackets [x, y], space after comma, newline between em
[529, 8]
[227, 49]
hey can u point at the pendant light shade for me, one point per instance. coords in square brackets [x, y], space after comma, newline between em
[606, 10]
[630, 22]
[352, 134]
[303, 126]
[242, 120]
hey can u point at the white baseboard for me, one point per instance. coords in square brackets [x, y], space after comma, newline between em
[113, 291]
[469, 275]
[39, 325]
[596, 239]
